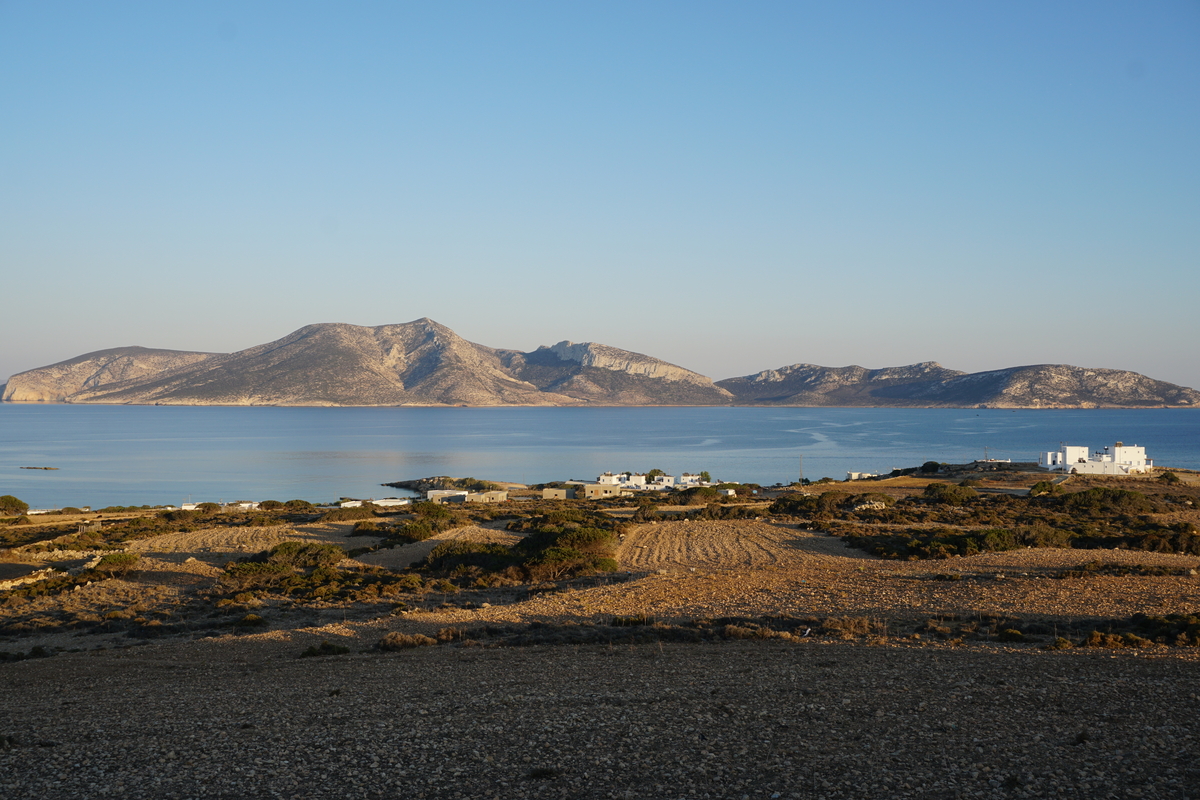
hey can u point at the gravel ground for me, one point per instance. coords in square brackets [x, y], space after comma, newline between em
[247, 719]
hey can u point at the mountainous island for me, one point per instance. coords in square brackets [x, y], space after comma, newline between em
[425, 363]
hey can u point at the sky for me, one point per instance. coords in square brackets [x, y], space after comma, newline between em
[728, 186]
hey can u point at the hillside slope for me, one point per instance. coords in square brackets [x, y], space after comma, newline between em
[103, 369]
[929, 384]
[413, 363]
[425, 363]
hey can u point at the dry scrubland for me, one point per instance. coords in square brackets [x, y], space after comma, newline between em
[754, 657]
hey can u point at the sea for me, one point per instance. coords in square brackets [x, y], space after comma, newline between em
[167, 455]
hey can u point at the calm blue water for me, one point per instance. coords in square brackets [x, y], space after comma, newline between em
[127, 455]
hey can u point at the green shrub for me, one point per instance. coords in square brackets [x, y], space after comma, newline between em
[556, 556]
[429, 511]
[410, 581]
[347, 514]
[117, 564]
[456, 552]
[270, 505]
[325, 649]
[872, 497]
[646, 512]
[1106, 500]
[696, 495]
[305, 554]
[404, 641]
[588, 540]
[847, 627]
[416, 531]
[949, 494]
[1115, 640]
[795, 504]
[11, 506]
[253, 574]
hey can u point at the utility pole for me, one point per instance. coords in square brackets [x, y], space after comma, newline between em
[801, 481]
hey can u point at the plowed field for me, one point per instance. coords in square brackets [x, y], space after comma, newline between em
[218, 545]
[728, 545]
[399, 558]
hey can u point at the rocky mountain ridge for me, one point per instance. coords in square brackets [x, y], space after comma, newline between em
[929, 384]
[425, 363]
[335, 364]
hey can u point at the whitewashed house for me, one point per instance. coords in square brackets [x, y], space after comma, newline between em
[1121, 459]
[627, 480]
[445, 495]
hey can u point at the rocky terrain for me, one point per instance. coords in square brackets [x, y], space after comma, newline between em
[425, 363]
[415, 363]
[60, 382]
[930, 385]
[729, 658]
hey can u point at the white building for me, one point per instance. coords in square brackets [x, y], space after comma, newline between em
[387, 502]
[1117, 460]
[859, 476]
[443, 495]
[627, 480]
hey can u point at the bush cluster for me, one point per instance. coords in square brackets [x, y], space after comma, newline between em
[956, 520]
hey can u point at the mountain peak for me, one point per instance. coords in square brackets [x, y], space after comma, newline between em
[423, 362]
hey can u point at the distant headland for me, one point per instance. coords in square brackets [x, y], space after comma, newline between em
[426, 364]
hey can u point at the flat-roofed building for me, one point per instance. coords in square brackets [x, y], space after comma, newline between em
[1121, 459]
[597, 491]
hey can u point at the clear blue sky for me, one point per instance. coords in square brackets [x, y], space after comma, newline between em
[728, 186]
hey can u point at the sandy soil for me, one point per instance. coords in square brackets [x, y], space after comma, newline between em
[718, 568]
[400, 558]
[219, 545]
[727, 545]
[241, 716]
